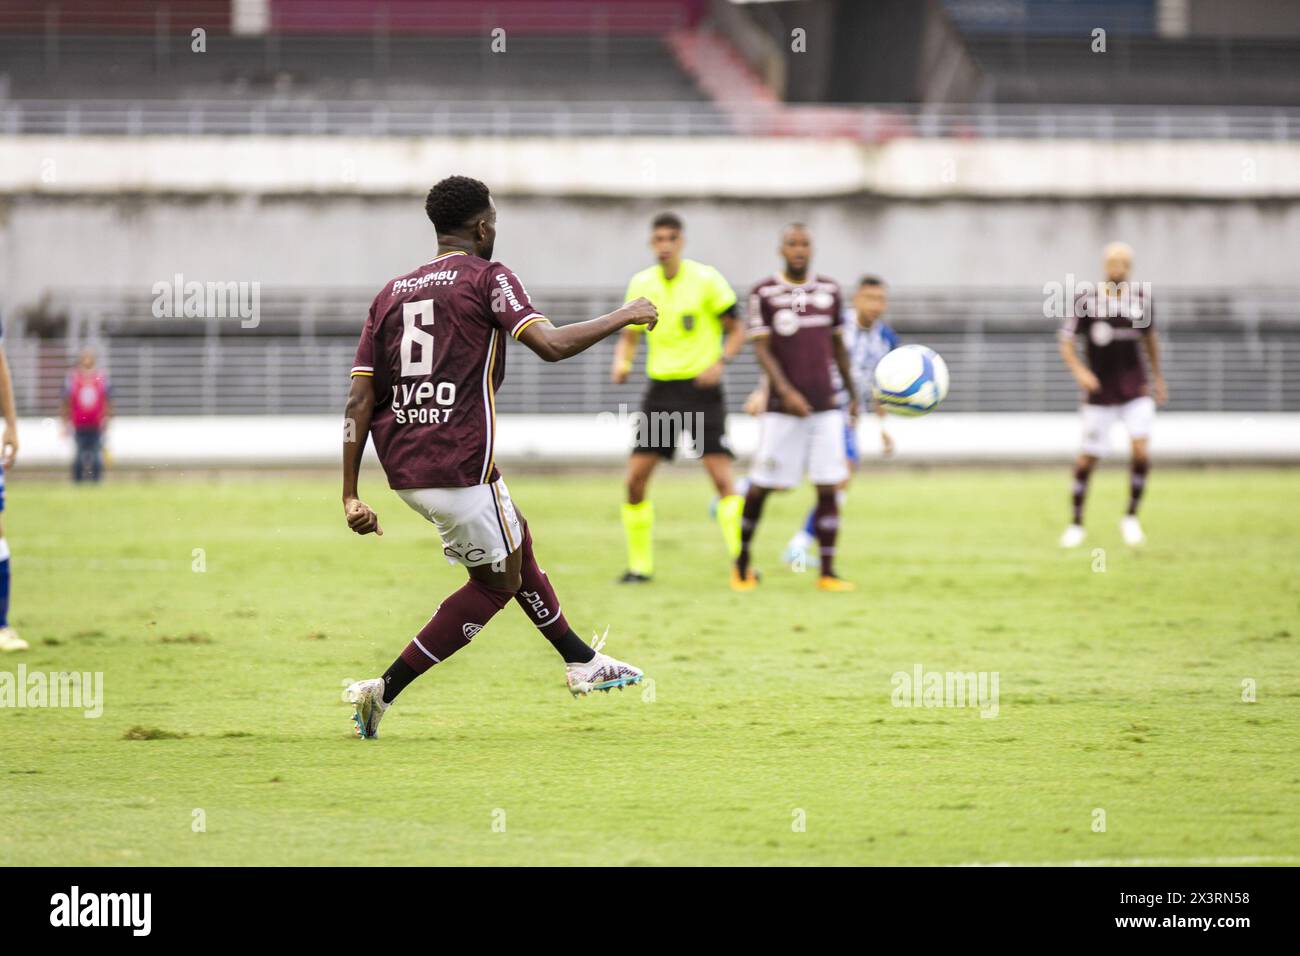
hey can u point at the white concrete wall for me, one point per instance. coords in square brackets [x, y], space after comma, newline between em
[714, 167]
[282, 441]
[123, 213]
[130, 243]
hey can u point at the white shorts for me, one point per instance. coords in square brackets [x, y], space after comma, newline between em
[1098, 420]
[478, 524]
[789, 447]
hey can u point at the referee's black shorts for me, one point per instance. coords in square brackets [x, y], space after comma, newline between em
[679, 412]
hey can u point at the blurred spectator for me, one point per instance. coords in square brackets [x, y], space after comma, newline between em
[87, 407]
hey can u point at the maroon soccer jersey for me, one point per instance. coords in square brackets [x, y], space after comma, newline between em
[800, 322]
[1112, 326]
[434, 342]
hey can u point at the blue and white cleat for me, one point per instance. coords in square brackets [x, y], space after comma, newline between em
[368, 695]
[602, 672]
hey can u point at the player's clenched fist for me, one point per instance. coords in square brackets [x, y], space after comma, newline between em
[641, 312]
[361, 518]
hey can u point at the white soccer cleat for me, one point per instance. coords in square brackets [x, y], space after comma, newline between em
[795, 554]
[1131, 529]
[602, 672]
[1073, 536]
[10, 641]
[368, 695]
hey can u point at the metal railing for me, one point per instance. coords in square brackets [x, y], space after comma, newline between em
[870, 123]
[1223, 351]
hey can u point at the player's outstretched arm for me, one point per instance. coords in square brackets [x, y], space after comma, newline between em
[555, 344]
[356, 429]
[1159, 390]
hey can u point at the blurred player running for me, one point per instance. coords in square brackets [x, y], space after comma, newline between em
[9, 639]
[1112, 320]
[685, 361]
[794, 320]
[868, 338]
[424, 383]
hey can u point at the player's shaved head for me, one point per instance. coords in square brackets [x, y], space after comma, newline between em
[463, 214]
[796, 250]
[1117, 261]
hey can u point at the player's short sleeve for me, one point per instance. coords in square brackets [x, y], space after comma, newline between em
[837, 308]
[507, 300]
[363, 363]
[890, 336]
[719, 294]
[757, 322]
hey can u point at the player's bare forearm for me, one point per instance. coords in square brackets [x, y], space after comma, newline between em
[557, 343]
[735, 330]
[1159, 390]
[1082, 374]
[356, 430]
[7, 407]
[846, 371]
[9, 440]
[793, 402]
[624, 354]
[1153, 353]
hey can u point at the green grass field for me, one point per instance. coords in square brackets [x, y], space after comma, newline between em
[1120, 690]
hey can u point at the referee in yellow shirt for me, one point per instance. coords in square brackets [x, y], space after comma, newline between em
[685, 359]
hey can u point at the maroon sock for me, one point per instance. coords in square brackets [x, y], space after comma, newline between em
[1137, 483]
[462, 615]
[1079, 490]
[826, 522]
[537, 599]
[749, 515]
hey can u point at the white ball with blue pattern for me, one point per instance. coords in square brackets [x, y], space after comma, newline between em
[911, 380]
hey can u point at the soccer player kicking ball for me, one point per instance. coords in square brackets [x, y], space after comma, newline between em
[794, 320]
[424, 383]
[1113, 319]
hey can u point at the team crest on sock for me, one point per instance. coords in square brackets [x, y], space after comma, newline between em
[469, 630]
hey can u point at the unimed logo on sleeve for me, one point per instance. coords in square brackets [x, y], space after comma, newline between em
[133, 910]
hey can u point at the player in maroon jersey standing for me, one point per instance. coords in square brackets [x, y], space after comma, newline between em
[1113, 319]
[428, 366]
[794, 320]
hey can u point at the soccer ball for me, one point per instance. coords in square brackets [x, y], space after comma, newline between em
[911, 380]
